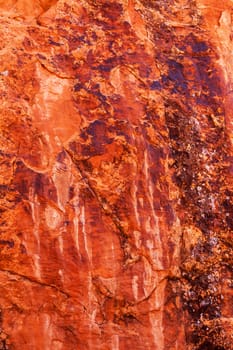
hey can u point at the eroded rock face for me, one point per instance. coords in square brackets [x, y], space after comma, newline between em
[116, 210]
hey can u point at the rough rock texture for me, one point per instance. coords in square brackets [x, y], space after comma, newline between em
[116, 175]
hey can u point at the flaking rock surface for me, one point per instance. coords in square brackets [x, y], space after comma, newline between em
[116, 175]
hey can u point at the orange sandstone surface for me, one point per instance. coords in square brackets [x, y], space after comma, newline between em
[116, 175]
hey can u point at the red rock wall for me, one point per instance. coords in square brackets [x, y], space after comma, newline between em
[116, 210]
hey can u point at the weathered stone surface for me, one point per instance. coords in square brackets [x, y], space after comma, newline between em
[116, 175]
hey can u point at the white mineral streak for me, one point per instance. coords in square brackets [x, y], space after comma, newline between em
[135, 200]
[156, 315]
[135, 204]
[61, 274]
[137, 237]
[60, 243]
[85, 238]
[76, 229]
[152, 223]
[157, 330]
[150, 277]
[114, 259]
[141, 201]
[76, 220]
[48, 332]
[115, 342]
[36, 263]
[43, 156]
[135, 287]
[35, 248]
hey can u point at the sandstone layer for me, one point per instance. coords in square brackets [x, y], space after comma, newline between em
[116, 175]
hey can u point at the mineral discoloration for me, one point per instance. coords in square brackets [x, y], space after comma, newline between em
[115, 180]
